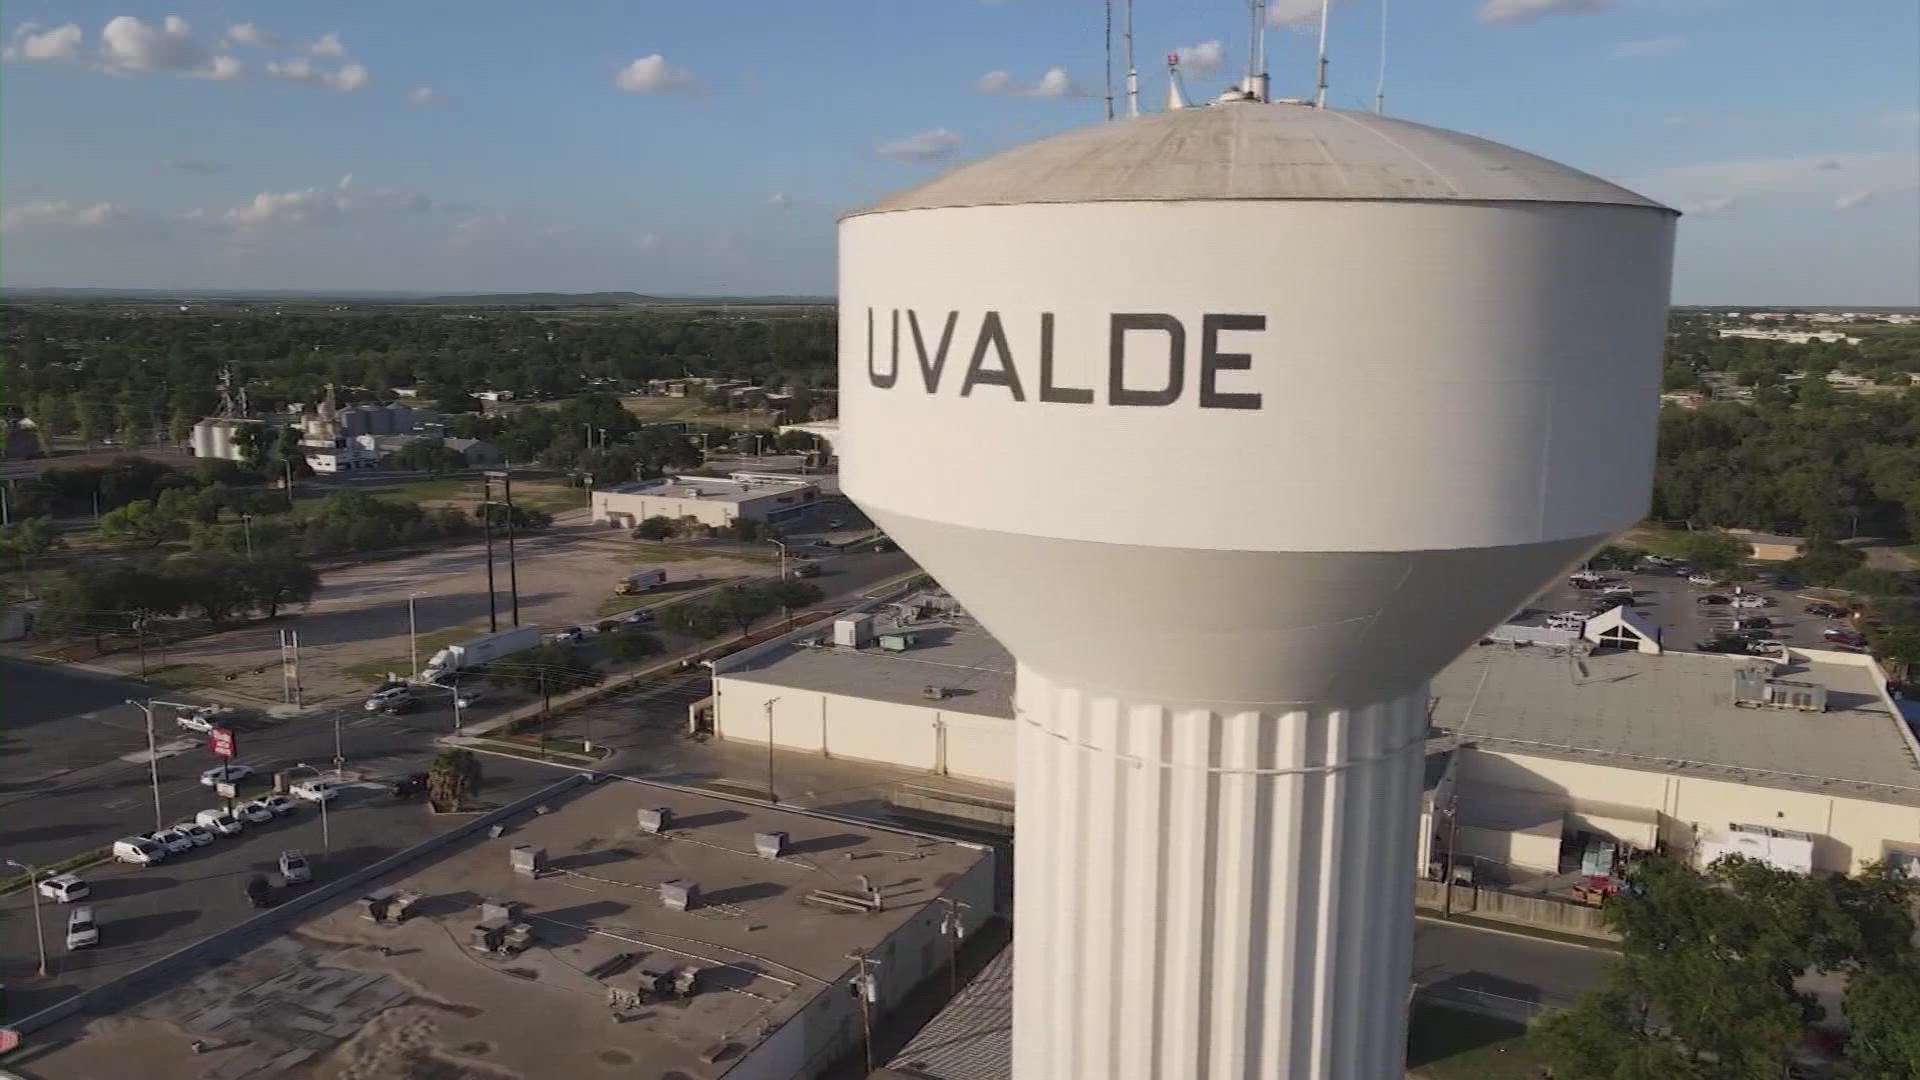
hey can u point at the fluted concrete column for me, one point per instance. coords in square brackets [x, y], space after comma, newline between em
[1208, 895]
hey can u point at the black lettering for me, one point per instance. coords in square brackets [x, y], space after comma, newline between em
[1213, 361]
[1118, 326]
[886, 381]
[930, 373]
[1070, 395]
[991, 332]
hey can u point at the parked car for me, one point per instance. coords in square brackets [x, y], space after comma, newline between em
[1752, 622]
[384, 699]
[278, 805]
[1702, 579]
[410, 785]
[253, 813]
[317, 790]
[1825, 611]
[82, 931]
[260, 891]
[194, 721]
[1786, 583]
[1750, 600]
[806, 570]
[1845, 636]
[1771, 649]
[1711, 599]
[196, 832]
[228, 773]
[1733, 645]
[294, 869]
[1618, 590]
[138, 850]
[175, 843]
[219, 822]
[65, 888]
[637, 617]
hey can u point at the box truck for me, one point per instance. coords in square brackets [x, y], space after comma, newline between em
[643, 580]
[469, 654]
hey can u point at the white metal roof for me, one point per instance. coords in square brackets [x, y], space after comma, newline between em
[1252, 151]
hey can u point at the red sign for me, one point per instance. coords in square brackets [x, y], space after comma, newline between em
[220, 741]
[9, 1039]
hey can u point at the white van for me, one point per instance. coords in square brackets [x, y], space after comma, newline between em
[218, 822]
[138, 850]
[82, 932]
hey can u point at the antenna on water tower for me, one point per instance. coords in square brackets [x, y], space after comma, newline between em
[1320, 90]
[1380, 87]
[1133, 80]
[1109, 40]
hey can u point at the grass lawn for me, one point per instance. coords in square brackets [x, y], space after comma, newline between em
[375, 670]
[671, 593]
[1446, 1044]
[182, 676]
[1660, 541]
[1911, 553]
[552, 496]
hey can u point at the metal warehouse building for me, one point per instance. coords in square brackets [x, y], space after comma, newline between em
[710, 500]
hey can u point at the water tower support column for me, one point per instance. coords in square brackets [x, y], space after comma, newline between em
[1211, 893]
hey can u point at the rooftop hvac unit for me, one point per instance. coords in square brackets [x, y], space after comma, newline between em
[656, 979]
[853, 632]
[528, 860]
[934, 693]
[654, 819]
[680, 894]
[1755, 688]
[896, 642]
[770, 845]
[499, 909]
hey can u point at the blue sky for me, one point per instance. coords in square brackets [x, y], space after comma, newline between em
[706, 147]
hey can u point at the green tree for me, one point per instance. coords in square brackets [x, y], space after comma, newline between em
[628, 644]
[453, 778]
[276, 579]
[1882, 1004]
[29, 539]
[547, 669]
[93, 418]
[179, 427]
[698, 621]
[793, 442]
[54, 413]
[142, 523]
[792, 595]
[1713, 551]
[743, 606]
[214, 585]
[657, 527]
[1824, 562]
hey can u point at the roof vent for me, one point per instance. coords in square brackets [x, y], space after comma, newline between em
[680, 894]
[934, 693]
[654, 820]
[770, 845]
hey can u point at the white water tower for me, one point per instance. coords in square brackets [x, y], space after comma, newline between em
[1235, 424]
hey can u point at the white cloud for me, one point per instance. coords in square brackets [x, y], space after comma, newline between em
[1202, 59]
[652, 75]
[780, 199]
[925, 146]
[426, 95]
[1053, 83]
[221, 68]
[250, 34]
[348, 78]
[328, 45]
[1525, 11]
[1659, 46]
[1295, 13]
[59, 214]
[59, 43]
[1713, 206]
[128, 45]
[316, 205]
[1853, 199]
[1835, 178]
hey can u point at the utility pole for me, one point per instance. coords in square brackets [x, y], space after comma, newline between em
[339, 759]
[153, 762]
[783, 557]
[866, 987]
[326, 838]
[953, 927]
[513, 563]
[413, 639]
[39, 934]
[486, 520]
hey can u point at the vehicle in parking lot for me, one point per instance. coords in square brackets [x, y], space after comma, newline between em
[194, 721]
[410, 785]
[1751, 600]
[1617, 590]
[1845, 636]
[384, 700]
[219, 822]
[317, 790]
[65, 888]
[1848, 647]
[1711, 599]
[175, 843]
[1825, 610]
[1702, 579]
[228, 773]
[1752, 622]
[255, 812]
[260, 891]
[138, 850]
[1771, 649]
[82, 931]
[637, 617]
[278, 805]
[196, 832]
[1586, 579]
[293, 867]
[1757, 634]
[1724, 644]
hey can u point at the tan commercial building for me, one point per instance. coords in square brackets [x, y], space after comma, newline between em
[709, 500]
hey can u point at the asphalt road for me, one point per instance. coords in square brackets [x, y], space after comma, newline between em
[1457, 958]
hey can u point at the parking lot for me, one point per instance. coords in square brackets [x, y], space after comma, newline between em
[1671, 603]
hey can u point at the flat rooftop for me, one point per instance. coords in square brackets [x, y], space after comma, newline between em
[1674, 713]
[416, 999]
[955, 654]
[711, 488]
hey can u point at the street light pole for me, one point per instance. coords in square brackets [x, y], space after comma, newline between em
[326, 838]
[783, 557]
[246, 523]
[39, 935]
[153, 763]
[413, 638]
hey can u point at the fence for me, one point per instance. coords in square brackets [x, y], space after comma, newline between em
[1542, 912]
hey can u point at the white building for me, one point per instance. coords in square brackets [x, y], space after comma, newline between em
[1532, 745]
[1797, 337]
[710, 500]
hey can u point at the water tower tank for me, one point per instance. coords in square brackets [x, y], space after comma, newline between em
[1235, 424]
[400, 417]
[203, 439]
